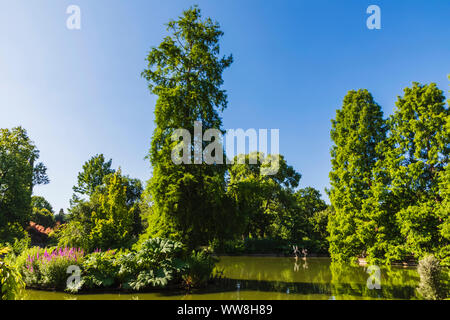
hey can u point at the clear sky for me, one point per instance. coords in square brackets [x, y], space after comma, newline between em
[79, 92]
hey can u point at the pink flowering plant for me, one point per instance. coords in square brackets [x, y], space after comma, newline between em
[155, 263]
[47, 268]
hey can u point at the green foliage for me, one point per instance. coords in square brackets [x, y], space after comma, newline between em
[388, 190]
[234, 247]
[74, 234]
[47, 268]
[11, 282]
[43, 217]
[110, 218]
[101, 269]
[417, 154]
[200, 267]
[444, 217]
[41, 203]
[319, 224]
[94, 170]
[185, 72]
[19, 172]
[20, 245]
[269, 210]
[154, 264]
[305, 219]
[431, 286]
[253, 246]
[113, 220]
[265, 204]
[357, 130]
[266, 245]
[12, 231]
[53, 274]
[16, 247]
[61, 217]
[310, 201]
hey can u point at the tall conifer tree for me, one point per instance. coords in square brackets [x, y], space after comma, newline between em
[185, 72]
[418, 154]
[356, 132]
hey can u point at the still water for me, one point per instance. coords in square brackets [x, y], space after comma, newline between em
[271, 278]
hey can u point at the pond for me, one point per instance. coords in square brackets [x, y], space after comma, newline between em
[272, 278]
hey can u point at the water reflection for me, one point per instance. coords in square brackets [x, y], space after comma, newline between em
[266, 278]
[315, 276]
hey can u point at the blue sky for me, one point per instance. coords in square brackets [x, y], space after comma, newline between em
[79, 93]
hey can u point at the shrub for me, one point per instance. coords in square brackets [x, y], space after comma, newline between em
[199, 270]
[47, 268]
[12, 250]
[43, 217]
[227, 246]
[73, 234]
[431, 285]
[101, 269]
[155, 264]
[10, 232]
[10, 279]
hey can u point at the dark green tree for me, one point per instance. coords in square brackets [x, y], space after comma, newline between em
[444, 217]
[265, 204]
[310, 201]
[61, 217]
[41, 203]
[319, 226]
[309, 218]
[43, 217]
[19, 173]
[185, 72]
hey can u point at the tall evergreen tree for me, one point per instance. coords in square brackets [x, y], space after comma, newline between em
[444, 217]
[185, 72]
[416, 158]
[356, 132]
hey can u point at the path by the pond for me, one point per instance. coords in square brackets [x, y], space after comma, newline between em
[271, 278]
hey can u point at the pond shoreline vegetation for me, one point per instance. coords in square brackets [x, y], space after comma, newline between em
[156, 264]
[389, 194]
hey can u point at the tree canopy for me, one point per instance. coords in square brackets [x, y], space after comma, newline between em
[185, 72]
[389, 177]
[19, 173]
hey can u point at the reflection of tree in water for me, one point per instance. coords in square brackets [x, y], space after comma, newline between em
[278, 269]
[396, 283]
[315, 276]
